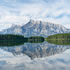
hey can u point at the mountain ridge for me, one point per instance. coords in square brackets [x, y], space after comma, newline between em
[36, 28]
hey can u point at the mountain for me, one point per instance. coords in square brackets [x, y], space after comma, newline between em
[36, 50]
[36, 28]
[14, 29]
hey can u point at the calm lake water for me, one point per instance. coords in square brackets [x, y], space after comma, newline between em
[35, 56]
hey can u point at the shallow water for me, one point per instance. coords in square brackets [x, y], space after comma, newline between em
[35, 56]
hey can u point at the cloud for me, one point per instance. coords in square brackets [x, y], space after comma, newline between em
[23, 62]
[20, 11]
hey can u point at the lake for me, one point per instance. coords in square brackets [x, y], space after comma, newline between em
[35, 56]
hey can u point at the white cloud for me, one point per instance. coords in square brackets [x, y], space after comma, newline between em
[14, 19]
[19, 12]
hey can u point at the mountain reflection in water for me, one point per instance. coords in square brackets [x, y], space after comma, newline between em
[35, 56]
[36, 50]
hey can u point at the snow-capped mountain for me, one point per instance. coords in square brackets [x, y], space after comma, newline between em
[14, 29]
[36, 28]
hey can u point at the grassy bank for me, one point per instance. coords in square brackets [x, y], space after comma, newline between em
[61, 39]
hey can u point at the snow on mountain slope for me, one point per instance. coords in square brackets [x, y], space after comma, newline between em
[36, 28]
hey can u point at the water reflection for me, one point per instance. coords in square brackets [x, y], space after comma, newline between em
[59, 42]
[35, 56]
[36, 50]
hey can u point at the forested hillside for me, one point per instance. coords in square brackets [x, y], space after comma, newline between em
[61, 39]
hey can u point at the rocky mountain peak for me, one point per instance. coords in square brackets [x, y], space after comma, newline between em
[37, 28]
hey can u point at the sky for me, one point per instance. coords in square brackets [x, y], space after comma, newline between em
[21, 11]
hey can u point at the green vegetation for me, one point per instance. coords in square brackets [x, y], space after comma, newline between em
[36, 39]
[12, 40]
[10, 37]
[60, 39]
